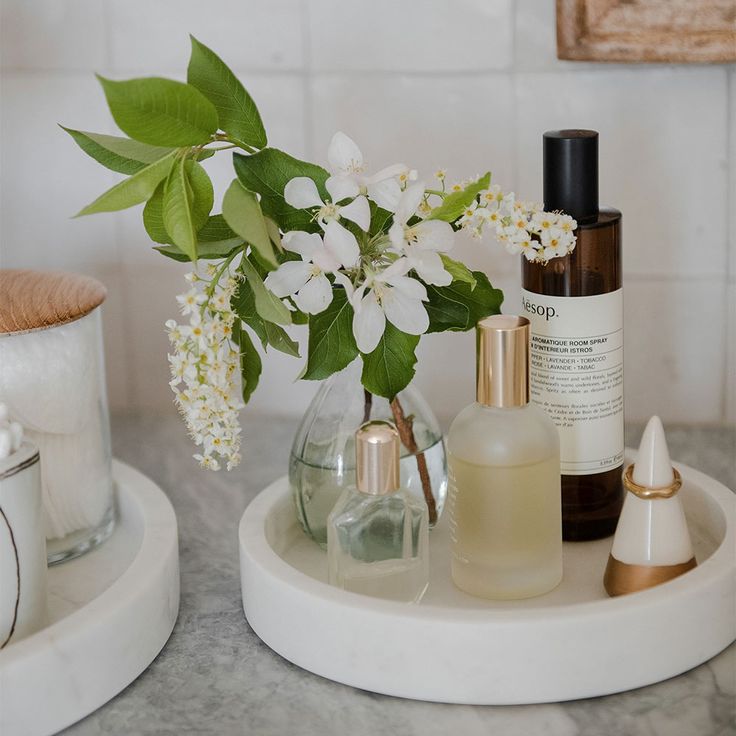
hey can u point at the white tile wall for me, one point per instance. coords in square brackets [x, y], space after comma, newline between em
[535, 40]
[467, 85]
[390, 36]
[427, 122]
[53, 35]
[149, 37]
[45, 181]
[673, 349]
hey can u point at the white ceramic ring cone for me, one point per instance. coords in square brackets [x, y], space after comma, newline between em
[652, 542]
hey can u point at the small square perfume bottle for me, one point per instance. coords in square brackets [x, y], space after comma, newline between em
[377, 533]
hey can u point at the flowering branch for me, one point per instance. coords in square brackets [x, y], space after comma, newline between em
[362, 257]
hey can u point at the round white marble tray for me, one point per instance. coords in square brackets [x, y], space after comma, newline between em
[574, 642]
[110, 613]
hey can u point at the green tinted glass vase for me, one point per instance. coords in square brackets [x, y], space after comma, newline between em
[322, 462]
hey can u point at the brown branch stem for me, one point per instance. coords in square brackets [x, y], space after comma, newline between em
[367, 405]
[405, 427]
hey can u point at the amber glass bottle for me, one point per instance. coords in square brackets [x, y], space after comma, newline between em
[575, 306]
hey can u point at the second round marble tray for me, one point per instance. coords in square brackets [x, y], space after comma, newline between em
[574, 642]
[110, 613]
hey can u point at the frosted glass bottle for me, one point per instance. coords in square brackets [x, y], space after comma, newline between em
[378, 533]
[504, 461]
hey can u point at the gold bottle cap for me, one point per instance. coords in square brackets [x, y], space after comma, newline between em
[502, 365]
[377, 448]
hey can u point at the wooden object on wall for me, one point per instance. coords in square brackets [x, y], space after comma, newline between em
[647, 30]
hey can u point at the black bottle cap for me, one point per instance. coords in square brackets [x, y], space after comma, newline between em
[571, 173]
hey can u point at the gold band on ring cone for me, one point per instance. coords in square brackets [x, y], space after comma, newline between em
[648, 493]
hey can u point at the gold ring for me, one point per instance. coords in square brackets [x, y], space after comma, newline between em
[649, 493]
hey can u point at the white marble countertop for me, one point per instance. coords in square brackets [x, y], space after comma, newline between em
[216, 677]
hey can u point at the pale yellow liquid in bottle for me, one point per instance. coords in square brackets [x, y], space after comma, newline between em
[506, 528]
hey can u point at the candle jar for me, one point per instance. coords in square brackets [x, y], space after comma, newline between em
[53, 382]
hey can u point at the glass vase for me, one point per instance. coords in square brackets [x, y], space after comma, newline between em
[322, 462]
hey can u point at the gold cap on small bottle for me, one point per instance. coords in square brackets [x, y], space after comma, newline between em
[502, 365]
[377, 448]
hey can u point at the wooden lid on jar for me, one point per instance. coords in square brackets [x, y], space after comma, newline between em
[35, 300]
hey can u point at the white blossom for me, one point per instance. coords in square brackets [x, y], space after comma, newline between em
[306, 280]
[204, 366]
[189, 302]
[421, 243]
[349, 178]
[523, 227]
[387, 295]
[301, 192]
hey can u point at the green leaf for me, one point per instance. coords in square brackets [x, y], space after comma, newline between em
[214, 240]
[267, 173]
[119, 154]
[268, 305]
[458, 271]
[243, 304]
[216, 229]
[243, 214]
[203, 195]
[178, 215]
[453, 204]
[200, 200]
[203, 154]
[133, 190]
[160, 111]
[279, 339]
[270, 334]
[390, 367]
[459, 307]
[331, 342]
[205, 251]
[236, 110]
[274, 233]
[379, 218]
[250, 364]
[298, 317]
[153, 217]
